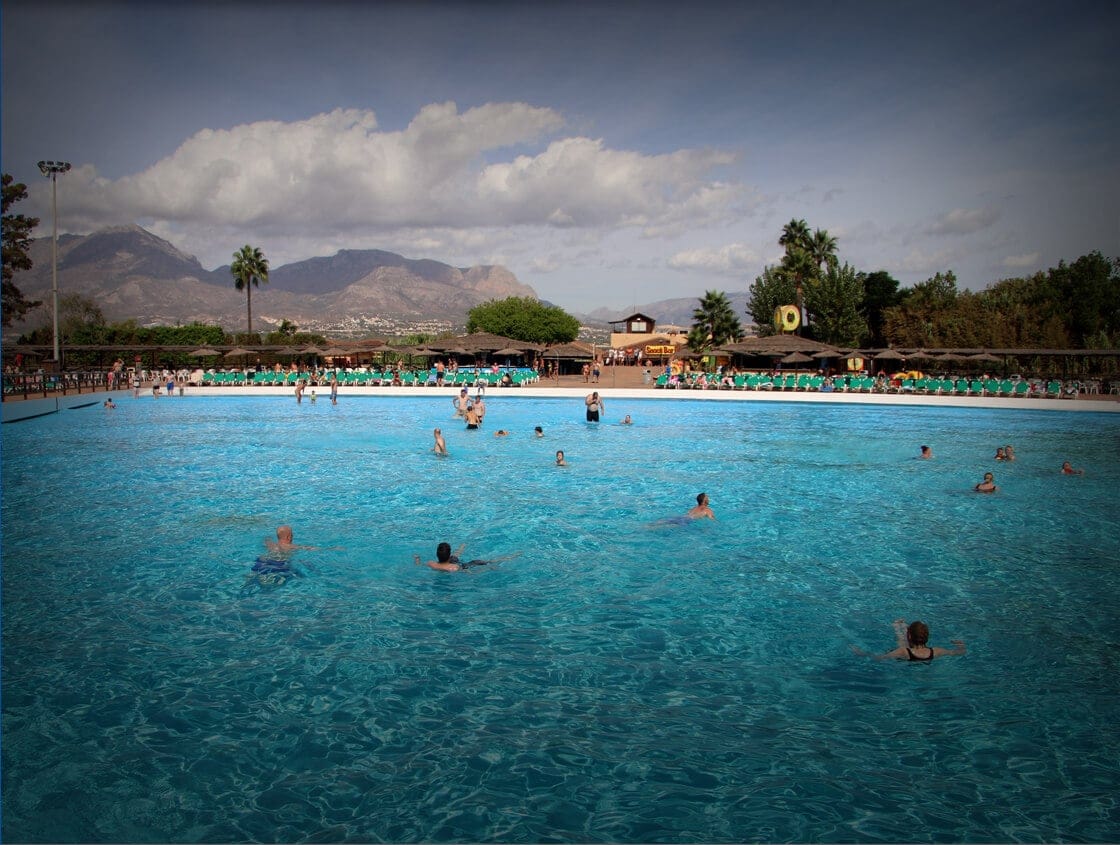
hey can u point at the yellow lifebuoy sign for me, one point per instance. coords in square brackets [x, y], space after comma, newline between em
[787, 318]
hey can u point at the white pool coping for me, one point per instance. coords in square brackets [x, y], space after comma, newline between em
[14, 411]
[608, 393]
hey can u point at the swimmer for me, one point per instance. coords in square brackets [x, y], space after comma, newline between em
[283, 545]
[594, 405]
[626, 420]
[988, 485]
[472, 417]
[1067, 469]
[702, 509]
[299, 391]
[560, 462]
[313, 396]
[441, 447]
[913, 644]
[334, 388]
[109, 403]
[460, 403]
[275, 568]
[1009, 452]
[927, 453]
[501, 432]
[539, 431]
[1000, 454]
[447, 562]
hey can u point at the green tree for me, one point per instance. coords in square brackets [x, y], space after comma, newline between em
[880, 292]
[924, 315]
[822, 250]
[773, 288]
[833, 303]
[284, 333]
[79, 321]
[795, 236]
[16, 241]
[523, 318]
[249, 269]
[713, 322]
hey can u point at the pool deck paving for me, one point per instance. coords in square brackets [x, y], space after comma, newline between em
[614, 384]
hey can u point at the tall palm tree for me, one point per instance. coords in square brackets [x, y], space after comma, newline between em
[795, 235]
[822, 249]
[713, 322]
[249, 269]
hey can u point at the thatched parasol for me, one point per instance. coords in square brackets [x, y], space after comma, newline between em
[797, 358]
[889, 355]
[204, 352]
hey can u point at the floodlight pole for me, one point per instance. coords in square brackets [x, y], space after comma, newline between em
[51, 169]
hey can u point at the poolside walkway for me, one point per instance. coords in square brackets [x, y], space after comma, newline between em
[616, 383]
[627, 383]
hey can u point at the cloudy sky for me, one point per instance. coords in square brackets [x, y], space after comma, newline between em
[608, 153]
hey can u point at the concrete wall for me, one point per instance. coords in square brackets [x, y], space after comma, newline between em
[25, 409]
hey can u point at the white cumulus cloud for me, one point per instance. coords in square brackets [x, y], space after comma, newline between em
[339, 178]
[963, 221]
[729, 260]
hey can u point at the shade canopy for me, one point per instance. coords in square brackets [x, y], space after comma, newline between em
[204, 352]
[890, 355]
[335, 351]
[237, 351]
[984, 356]
[509, 350]
[311, 349]
[797, 358]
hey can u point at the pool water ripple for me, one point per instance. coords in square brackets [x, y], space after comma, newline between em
[620, 680]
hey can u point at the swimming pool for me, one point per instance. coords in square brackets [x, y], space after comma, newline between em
[616, 682]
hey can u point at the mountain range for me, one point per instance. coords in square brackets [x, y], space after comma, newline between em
[133, 274]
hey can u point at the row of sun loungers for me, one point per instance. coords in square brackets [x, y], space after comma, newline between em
[864, 384]
[367, 379]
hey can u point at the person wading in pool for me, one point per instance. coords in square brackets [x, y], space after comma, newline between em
[275, 567]
[988, 485]
[447, 562]
[472, 417]
[441, 447]
[594, 405]
[913, 644]
[702, 510]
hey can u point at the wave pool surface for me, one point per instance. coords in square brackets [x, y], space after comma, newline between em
[620, 680]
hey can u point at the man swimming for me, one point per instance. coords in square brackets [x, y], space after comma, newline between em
[702, 509]
[275, 567]
[447, 562]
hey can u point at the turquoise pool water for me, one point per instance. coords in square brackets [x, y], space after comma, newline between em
[616, 682]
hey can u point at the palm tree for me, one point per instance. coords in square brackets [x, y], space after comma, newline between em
[713, 322]
[822, 249]
[795, 235]
[249, 269]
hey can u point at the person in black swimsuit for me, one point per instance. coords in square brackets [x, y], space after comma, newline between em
[448, 562]
[913, 644]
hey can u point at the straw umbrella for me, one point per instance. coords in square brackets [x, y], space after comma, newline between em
[204, 352]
